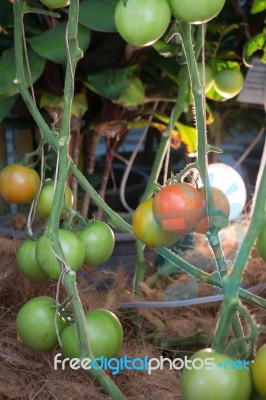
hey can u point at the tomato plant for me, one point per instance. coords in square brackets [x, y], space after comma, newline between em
[147, 229]
[220, 213]
[105, 334]
[228, 82]
[35, 324]
[141, 23]
[212, 375]
[261, 243]
[73, 249]
[27, 263]
[259, 371]
[45, 200]
[178, 207]
[19, 184]
[99, 242]
[196, 11]
[55, 3]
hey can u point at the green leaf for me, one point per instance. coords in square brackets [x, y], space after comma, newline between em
[223, 64]
[8, 71]
[188, 136]
[110, 83]
[98, 15]
[133, 95]
[50, 100]
[79, 105]
[51, 44]
[213, 95]
[167, 65]
[258, 6]
[6, 105]
[256, 43]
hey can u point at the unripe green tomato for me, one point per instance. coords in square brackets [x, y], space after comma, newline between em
[209, 76]
[99, 242]
[228, 82]
[259, 371]
[55, 3]
[27, 263]
[196, 11]
[45, 200]
[261, 243]
[140, 22]
[72, 247]
[210, 376]
[35, 324]
[105, 335]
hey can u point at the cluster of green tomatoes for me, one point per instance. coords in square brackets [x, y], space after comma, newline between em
[37, 319]
[143, 23]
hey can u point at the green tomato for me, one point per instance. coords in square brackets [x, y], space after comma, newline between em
[196, 11]
[148, 230]
[45, 200]
[99, 242]
[105, 335]
[211, 377]
[209, 76]
[55, 3]
[259, 371]
[228, 82]
[141, 23]
[35, 324]
[261, 243]
[73, 249]
[27, 263]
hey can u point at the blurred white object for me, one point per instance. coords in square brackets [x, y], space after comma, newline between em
[228, 180]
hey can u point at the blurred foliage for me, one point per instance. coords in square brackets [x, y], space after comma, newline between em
[128, 77]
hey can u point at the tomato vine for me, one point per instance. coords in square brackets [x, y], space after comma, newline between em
[59, 140]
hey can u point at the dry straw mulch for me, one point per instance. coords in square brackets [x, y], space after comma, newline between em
[26, 374]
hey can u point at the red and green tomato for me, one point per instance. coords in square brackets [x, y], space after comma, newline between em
[19, 184]
[148, 230]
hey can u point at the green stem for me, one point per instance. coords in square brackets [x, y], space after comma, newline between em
[69, 281]
[198, 93]
[39, 11]
[46, 132]
[232, 281]
[257, 221]
[99, 375]
[210, 279]
[199, 99]
[160, 154]
[140, 268]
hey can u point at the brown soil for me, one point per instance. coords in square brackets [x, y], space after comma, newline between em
[26, 374]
